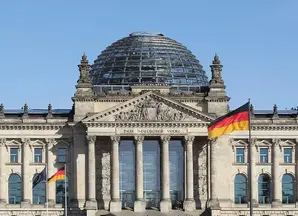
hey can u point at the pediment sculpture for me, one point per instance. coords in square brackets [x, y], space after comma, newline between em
[150, 110]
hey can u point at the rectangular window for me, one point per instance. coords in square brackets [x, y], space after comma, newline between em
[37, 155]
[61, 155]
[287, 155]
[263, 155]
[239, 155]
[14, 155]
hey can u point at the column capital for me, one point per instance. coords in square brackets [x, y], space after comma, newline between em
[91, 139]
[189, 139]
[50, 142]
[2, 141]
[165, 139]
[139, 139]
[115, 139]
[276, 142]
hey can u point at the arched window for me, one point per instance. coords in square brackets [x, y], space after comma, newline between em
[39, 191]
[264, 189]
[14, 189]
[240, 187]
[287, 189]
[60, 191]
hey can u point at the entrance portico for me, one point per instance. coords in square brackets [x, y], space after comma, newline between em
[150, 141]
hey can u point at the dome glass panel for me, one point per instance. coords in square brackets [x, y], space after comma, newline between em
[147, 58]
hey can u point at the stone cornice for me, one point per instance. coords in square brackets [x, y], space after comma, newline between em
[147, 124]
[32, 126]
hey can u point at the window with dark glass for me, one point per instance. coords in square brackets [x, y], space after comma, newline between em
[288, 155]
[263, 155]
[14, 155]
[240, 188]
[37, 155]
[39, 192]
[264, 189]
[288, 189]
[239, 155]
[61, 157]
[60, 191]
[14, 189]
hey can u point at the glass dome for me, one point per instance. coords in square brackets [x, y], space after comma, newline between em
[147, 58]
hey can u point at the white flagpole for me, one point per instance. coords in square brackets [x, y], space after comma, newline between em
[47, 191]
[65, 191]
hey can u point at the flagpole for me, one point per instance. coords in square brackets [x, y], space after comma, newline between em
[65, 191]
[249, 163]
[47, 190]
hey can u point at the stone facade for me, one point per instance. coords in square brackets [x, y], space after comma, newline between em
[91, 133]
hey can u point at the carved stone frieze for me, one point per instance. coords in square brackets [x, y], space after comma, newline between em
[151, 110]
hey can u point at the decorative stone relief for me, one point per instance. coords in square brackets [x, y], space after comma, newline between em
[103, 173]
[200, 173]
[150, 110]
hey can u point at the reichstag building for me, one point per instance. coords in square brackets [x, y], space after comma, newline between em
[135, 140]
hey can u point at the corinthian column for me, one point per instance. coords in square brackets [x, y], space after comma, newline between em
[276, 202]
[25, 173]
[189, 203]
[2, 173]
[50, 171]
[91, 203]
[165, 203]
[139, 204]
[115, 204]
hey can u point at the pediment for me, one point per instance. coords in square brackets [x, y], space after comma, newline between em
[149, 107]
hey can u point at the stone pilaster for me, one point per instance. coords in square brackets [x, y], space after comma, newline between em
[189, 203]
[165, 203]
[276, 202]
[2, 174]
[51, 187]
[213, 202]
[26, 186]
[91, 203]
[115, 204]
[139, 204]
[254, 181]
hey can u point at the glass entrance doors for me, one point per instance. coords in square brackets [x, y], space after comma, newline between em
[151, 169]
[127, 173]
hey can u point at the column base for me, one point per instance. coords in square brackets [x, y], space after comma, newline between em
[115, 205]
[139, 206]
[189, 205]
[25, 203]
[165, 205]
[213, 204]
[91, 212]
[276, 203]
[91, 204]
[3, 203]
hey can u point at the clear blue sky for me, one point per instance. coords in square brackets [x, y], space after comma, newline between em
[41, 44]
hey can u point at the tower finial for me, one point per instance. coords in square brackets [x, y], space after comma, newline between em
[50, 111]
[216, 69]
[1, 110]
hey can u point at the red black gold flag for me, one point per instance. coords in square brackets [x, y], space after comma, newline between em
[59, 175]
[237, 120]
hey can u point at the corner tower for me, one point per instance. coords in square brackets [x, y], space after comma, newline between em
[217, 99]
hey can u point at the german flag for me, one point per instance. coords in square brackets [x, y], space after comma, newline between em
[237, 120]
[59, 175]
